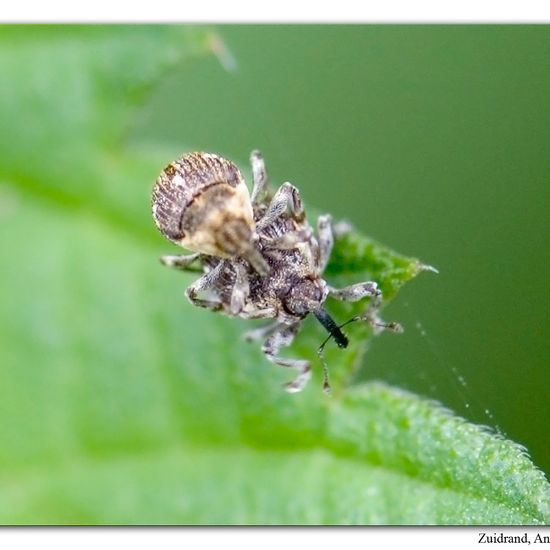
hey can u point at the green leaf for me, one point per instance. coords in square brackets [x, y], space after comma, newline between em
[120, 403]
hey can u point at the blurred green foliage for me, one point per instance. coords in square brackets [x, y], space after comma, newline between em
[119, 403]
[434, 139]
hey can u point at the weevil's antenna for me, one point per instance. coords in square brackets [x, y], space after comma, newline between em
[335, 332]
[326, 383]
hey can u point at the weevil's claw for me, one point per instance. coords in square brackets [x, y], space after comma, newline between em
[392, 326]
[396, 327]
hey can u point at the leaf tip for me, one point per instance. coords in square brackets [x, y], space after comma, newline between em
[426, 267]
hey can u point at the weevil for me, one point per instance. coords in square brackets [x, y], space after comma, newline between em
[258, 255]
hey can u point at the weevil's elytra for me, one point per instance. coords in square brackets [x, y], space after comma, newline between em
[201, 202]
[259, 256]
[186, 179]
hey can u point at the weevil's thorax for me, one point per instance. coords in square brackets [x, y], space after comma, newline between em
[293, 286]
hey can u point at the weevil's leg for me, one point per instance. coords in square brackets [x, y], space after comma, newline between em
[208, 280]
[259, 176]
[265, 313]
[356, 292]
[241, 290]
[289, 240]
[185, 263]
[282, 338]
[262, 332]
[326, 240]
[286, 197]
[300, 239]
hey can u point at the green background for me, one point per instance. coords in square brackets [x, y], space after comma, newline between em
[120, 403]
[436, 141]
